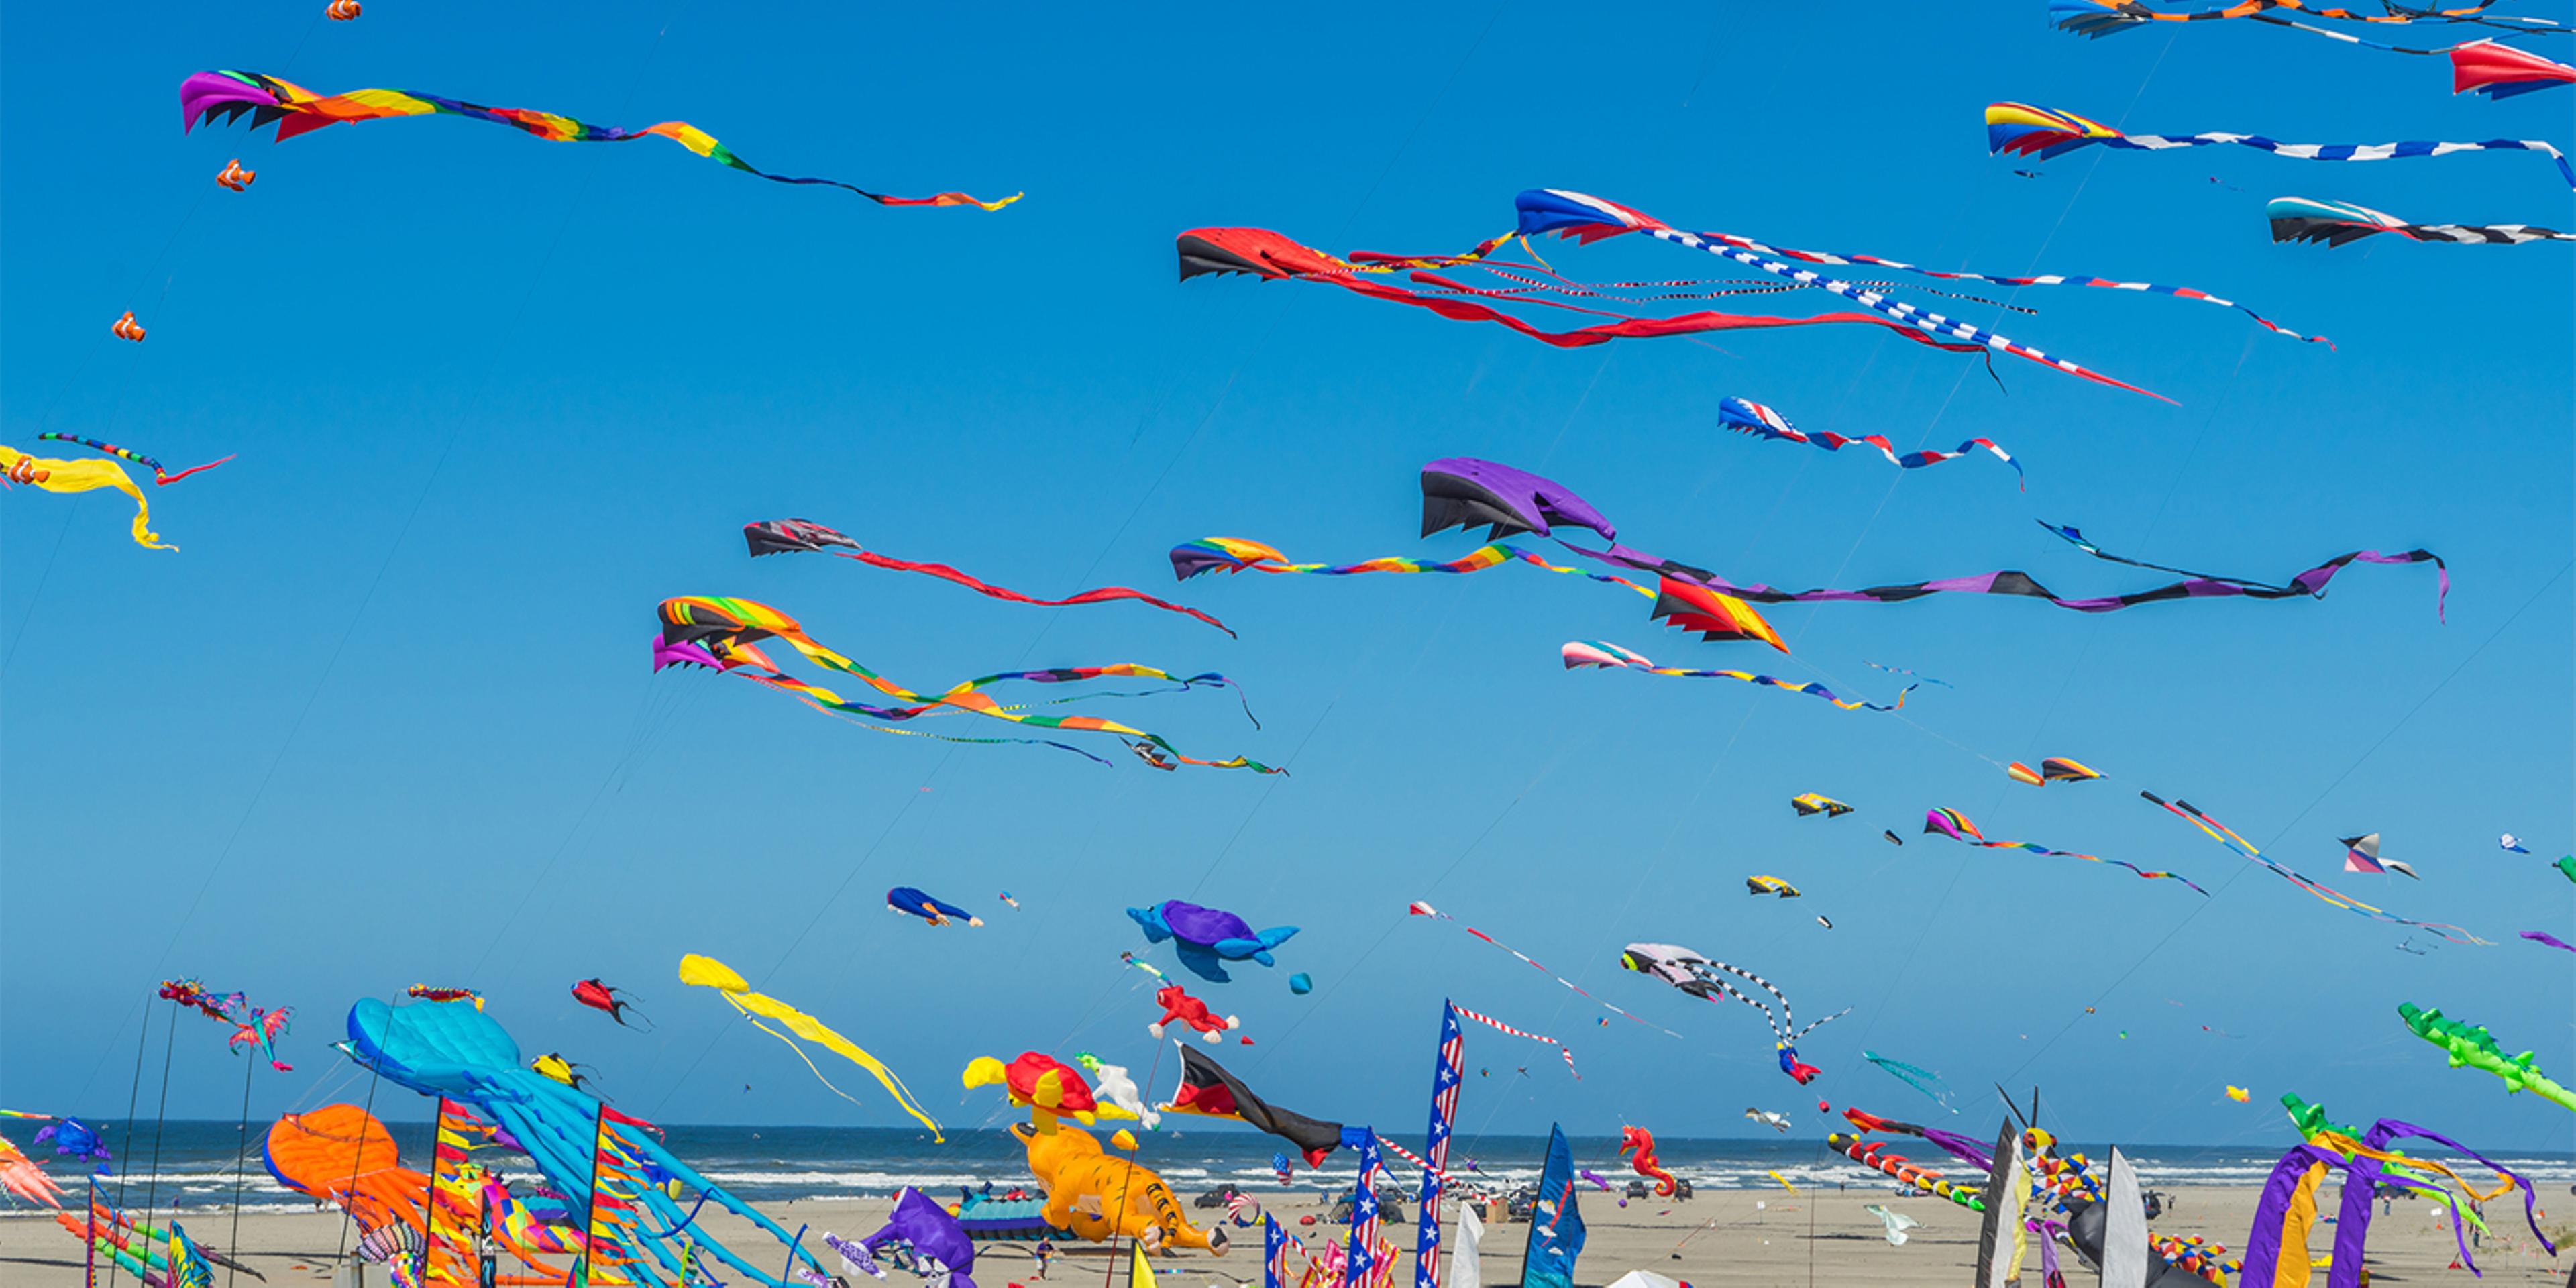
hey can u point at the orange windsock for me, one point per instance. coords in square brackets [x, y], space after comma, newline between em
[127, 328]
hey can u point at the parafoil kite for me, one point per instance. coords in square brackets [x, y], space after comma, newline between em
[454, 1051]
[781, 536]
[602, 997]
[1921, 1079]
[1770, 885]
[2471, 1046]
[1208, 1090]
[1745, 416]
[21, 1176]
[2022, 129]
[2340, 223]
[723, 634]
[1206, 938]
[1112, 1083]
[1641, 1142]
[936, 911]
[1955, 825]
[1177, 1004]
[1710, 980]
[1045, 1086]
[707, 972]
[81, 476]
[1579, 655]
[1769, 1118]
[1809, 804]
[2055, 769]
[2361, 854]
[2221, 833]
[296, 110]
[1100, 1198]
[1420, 909]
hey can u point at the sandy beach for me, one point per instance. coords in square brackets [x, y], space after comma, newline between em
[1737, 1238]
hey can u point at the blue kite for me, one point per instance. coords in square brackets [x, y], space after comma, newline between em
[1206, 938]
[938, 912]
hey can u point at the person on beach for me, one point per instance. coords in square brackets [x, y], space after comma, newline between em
[1046, 1254]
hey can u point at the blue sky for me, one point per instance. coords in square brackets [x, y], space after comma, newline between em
[387, 718]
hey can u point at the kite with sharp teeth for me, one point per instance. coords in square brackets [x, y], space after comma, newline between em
[2340, 223]
[2023, 130]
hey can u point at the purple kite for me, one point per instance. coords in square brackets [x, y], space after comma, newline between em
[1206, 938]
[933, 1234]
[2543, 937]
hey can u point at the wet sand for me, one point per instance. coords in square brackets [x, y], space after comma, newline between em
[1734, 1238]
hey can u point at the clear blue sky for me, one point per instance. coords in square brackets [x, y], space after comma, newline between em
[387, 719]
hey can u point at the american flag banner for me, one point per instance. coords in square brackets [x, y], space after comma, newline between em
[1500, 1027]
[1448, 1074]
[1274, 1254]
[1363, 1257]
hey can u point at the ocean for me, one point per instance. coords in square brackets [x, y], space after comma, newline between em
[194, 1166]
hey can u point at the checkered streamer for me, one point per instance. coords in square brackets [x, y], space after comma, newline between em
[1448, 1073]
[1500, 1027]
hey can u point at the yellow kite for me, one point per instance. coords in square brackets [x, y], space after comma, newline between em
[707, 972]
[81, 476]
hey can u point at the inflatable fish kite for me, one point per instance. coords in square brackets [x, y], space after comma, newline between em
[294, 110]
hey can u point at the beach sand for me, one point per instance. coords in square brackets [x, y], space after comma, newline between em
[1812, 1237]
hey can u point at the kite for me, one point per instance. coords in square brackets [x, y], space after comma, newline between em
[1892, 837]
[1420, 909]
[1043, 1085]
[707, 972]
[1867, 1153]
[427, 993]
[2361, 854]
[1499, 1027]
[2055, 769]
[2222, 834]
[1897, 1223]
[601, 997]
[937, 912]
[343, 10]
[1955, 825]
[296, 110]
[81, 476]
[855, 1256]
[1177, 1004]
[1775, 1121]
[1578, 655]
[932, 1233]
[126, 328]
[1641, 1142]
[2022, 129]
[463, 1055]
[2511, 843]
[259, 1030]
[1100, 1198]
[1812, 803]
[721, 634]
[1301, 983]
[161, 477]
[1115, 1085]
[1206, 938]
[2474, 1047]
[2503, 71]
[2543, 937]
[342, 1155]
[1005, 897]
[2239, 1094]
[2566, 866]
[554, 1067]
[73, 1137]
[21, 1176]
[1207, 1089]
[1745, 416]
[1270, 256]
[1824, 921]
[1709, 980]
[1770, 885]
[1923, 1080]
[781, 536]
[2340, 223]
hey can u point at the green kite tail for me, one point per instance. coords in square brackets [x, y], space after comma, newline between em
[2473, 1046]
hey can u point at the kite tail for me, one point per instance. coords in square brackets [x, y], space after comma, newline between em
[1102, 595]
